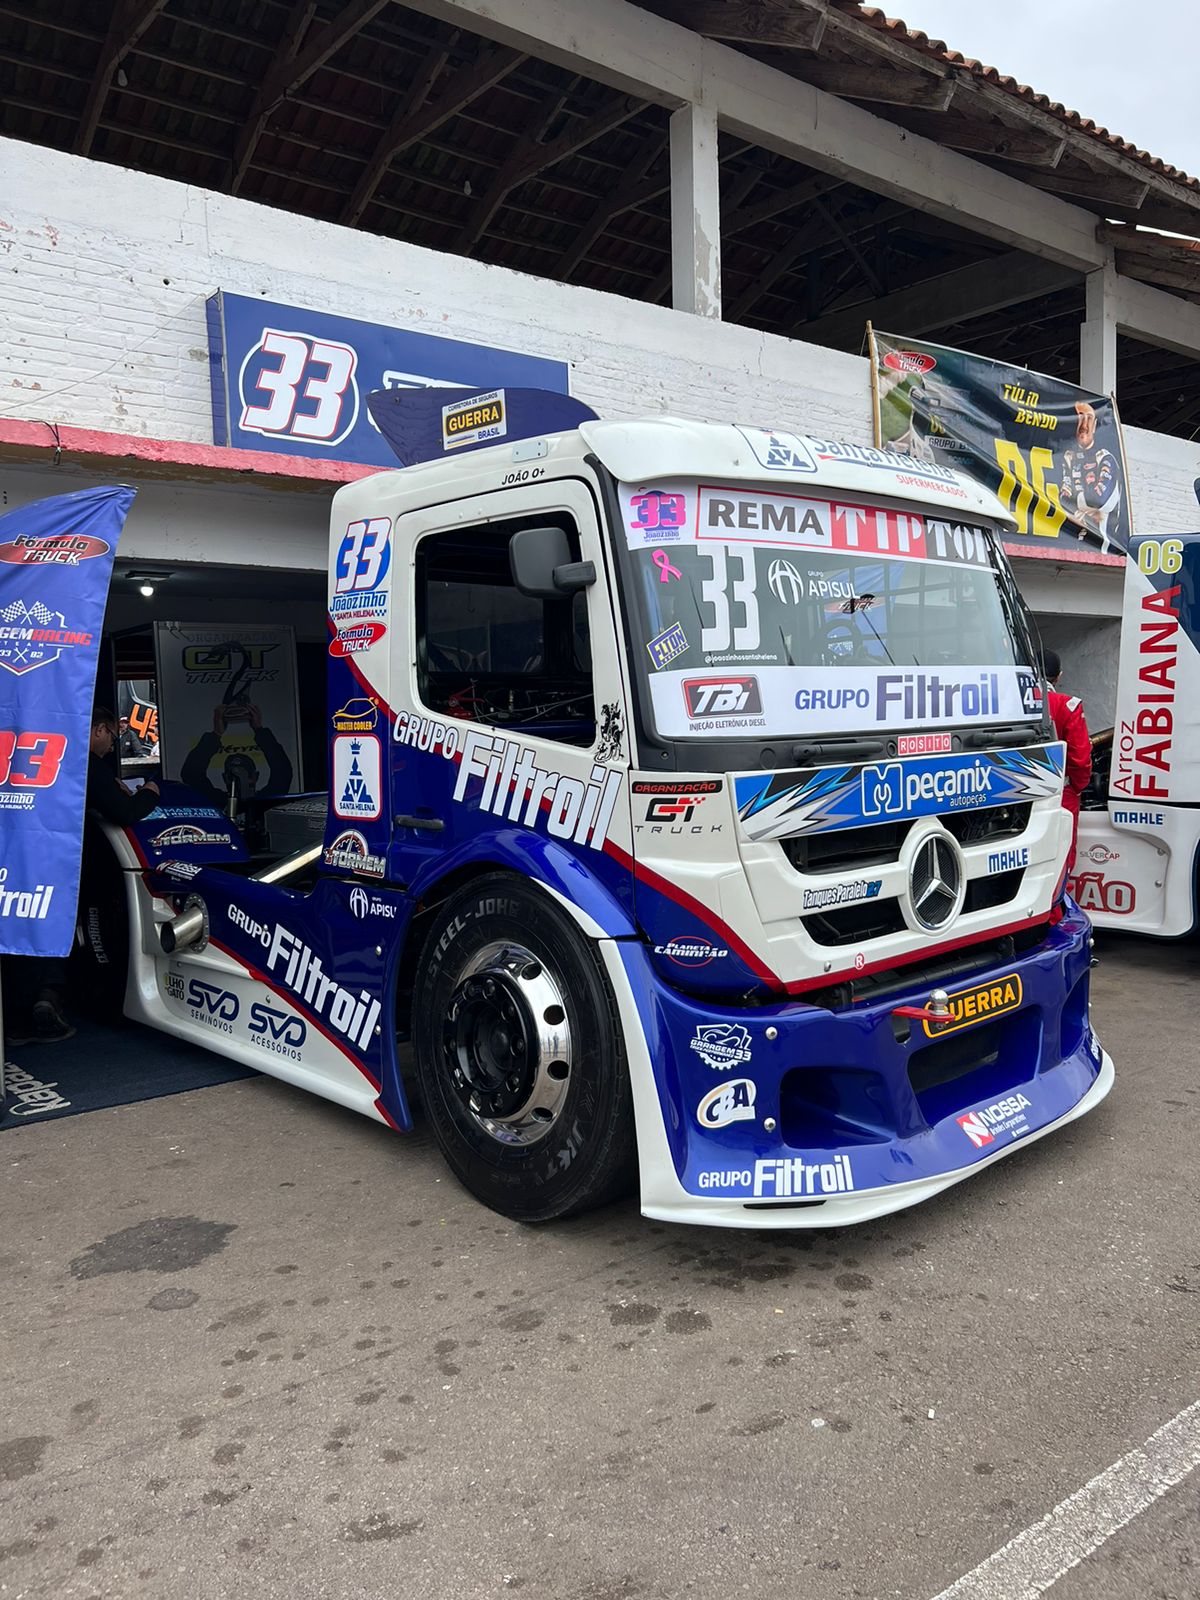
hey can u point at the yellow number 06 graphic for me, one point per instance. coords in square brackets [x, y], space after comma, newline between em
[1025, 491]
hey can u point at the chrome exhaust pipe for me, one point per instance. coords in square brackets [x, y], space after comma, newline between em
[190, 927]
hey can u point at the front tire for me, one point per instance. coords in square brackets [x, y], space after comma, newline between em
[519, 1055]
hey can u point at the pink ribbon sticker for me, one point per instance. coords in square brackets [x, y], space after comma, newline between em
[665, 570]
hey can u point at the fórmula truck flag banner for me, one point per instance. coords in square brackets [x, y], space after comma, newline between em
[1052, 452]
[56, 558]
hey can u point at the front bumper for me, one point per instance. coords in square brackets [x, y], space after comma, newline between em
[791, 1116]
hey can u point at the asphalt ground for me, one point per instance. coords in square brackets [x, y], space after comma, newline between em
[256, 1346]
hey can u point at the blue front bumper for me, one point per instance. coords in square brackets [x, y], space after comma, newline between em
[853, 1113]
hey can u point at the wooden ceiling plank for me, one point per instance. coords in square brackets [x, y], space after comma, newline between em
[302, 52]
[412, 124]
[130, 21]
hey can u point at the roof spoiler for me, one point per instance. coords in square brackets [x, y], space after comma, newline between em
[429, 424]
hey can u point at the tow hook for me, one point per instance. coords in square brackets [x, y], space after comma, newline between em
[937, 1013]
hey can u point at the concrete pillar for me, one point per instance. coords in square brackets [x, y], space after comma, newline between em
[1098, 334]
[695, 212]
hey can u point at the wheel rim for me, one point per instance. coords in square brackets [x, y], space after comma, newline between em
[507, 1044]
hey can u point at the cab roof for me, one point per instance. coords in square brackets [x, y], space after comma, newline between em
[665, 449]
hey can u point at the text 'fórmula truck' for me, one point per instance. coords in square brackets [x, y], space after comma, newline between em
[693, 812]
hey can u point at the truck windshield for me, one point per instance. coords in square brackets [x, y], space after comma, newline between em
[785, 615]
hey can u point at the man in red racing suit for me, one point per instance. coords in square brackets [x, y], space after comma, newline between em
[1066, 713]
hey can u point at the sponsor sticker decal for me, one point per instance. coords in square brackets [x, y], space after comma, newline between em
[732, 1101]
[685, 952]
[362, 561]
[669, 645]
[357, 716]
[357, 772]
[1008, 860]
[778, 451]
[184, 834]
[842, 894]
[979, 1004]
[360, 636]
[924, 744]
[1094, 892]
[350, 852]
[1006, 1116]
[181, 871]
[722, 1045]
[722, 697]
[52, 549]
[1100, 854]
[790, 1177]
[658, 514]
[477, 420]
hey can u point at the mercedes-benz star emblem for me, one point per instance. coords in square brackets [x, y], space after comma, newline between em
[935, 881]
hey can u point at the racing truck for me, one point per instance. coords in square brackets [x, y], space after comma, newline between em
[694, 821]
[1138, 856]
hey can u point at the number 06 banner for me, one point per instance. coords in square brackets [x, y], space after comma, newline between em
[1050, 451]
[56, 558]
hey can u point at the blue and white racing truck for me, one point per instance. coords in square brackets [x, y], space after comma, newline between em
[693, 814]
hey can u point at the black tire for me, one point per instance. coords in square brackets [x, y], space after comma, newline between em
[528, 1099]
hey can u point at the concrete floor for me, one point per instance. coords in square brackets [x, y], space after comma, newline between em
[257, 1347]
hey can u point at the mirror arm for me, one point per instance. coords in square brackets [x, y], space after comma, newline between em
[573, 575]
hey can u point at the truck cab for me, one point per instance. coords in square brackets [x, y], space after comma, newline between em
[694, 819]
[1137, 865]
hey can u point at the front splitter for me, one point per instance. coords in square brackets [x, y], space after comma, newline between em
[845, 1210]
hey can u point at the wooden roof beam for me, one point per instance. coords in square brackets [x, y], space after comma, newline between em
[882, 85]
[797, 26]
[651, 151]
[412, 123]
[1097, 185]
[942, 301]
[301, 54]
[130, 21]
[1028, 146]
[531, 156]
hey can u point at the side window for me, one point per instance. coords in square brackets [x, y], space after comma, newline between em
[489, 653]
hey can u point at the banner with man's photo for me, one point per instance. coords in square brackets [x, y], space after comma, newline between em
[1052, 452]
[227, 708]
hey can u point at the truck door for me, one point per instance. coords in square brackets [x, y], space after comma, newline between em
[509, 738]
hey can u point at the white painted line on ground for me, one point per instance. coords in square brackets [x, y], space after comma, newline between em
[1028, 1564]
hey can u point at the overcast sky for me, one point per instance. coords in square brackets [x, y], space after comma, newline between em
[1131, 67]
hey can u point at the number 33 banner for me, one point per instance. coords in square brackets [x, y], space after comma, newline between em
[56, 558]
[1051, 452]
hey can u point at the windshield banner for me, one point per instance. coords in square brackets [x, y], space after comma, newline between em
[779, 805]
[1052, 452]
[56, 557]
[794, 615]
[832, 699]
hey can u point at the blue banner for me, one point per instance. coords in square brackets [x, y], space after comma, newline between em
[56, 557]
[296, 382]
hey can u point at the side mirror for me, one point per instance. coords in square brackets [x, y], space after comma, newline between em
[540, 562]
